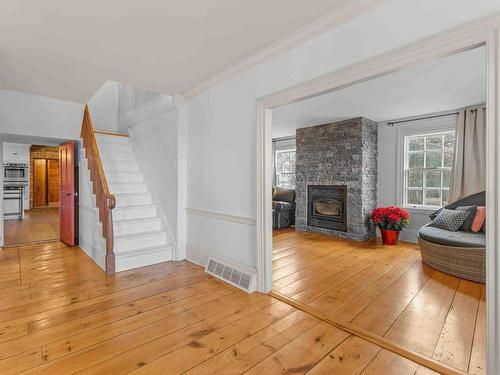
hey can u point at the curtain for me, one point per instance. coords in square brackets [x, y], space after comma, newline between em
[284, 143]
[469, 165]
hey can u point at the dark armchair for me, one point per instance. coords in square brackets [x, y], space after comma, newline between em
[283, 207]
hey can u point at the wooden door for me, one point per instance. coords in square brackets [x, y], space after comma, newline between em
[53, 182]
[39, 183]
[67, 193]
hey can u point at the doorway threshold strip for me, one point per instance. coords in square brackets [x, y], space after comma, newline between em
[373, 338]
[29, 243]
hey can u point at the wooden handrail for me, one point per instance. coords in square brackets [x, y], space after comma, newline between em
[105, 201]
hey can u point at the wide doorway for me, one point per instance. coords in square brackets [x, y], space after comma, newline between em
[32, 190]
[392, 144]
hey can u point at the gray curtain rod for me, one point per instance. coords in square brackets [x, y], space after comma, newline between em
[392, 123]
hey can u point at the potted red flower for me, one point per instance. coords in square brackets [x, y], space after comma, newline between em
[390, 220]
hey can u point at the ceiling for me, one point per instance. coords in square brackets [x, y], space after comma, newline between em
[68, 49]
[447, 84]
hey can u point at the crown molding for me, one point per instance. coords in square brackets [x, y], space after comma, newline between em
[344, 13]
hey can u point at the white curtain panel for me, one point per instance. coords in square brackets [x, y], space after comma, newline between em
[469, 166]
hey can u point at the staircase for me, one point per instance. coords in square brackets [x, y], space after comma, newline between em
[140, 238]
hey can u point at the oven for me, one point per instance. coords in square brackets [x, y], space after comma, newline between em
[15, 173]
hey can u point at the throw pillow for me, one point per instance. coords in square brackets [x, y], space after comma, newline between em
[450, 220]
[435, 213]
[479, 219]
[472, 214]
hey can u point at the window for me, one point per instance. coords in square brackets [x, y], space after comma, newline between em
[428, 163]
[285, 168]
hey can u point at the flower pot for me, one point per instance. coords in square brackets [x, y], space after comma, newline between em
[390, 237]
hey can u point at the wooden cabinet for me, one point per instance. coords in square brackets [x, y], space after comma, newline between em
[40, 183]
[53, 182]
[45, 182]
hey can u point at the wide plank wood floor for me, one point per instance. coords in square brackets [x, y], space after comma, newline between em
[39, 224]
[386, 290]
[60, 314]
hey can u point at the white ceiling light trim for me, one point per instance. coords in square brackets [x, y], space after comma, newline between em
[329, 21]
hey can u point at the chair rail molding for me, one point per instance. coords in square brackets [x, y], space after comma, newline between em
[481, 32]
[221, 216]
[344, 13]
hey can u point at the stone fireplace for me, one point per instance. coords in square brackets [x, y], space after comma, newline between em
[336, 178]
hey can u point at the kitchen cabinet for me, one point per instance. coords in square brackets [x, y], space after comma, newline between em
[16, 153]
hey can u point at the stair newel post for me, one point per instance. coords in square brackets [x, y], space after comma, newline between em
[110, 255]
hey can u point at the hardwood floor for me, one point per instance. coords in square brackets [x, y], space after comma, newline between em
[387, 291]
[60, 314]
[41, 224]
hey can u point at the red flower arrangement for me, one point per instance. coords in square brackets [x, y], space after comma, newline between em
[390, 218]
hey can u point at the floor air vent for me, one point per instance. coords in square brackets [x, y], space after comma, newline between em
[237, 275]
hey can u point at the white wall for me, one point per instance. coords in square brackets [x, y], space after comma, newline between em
[90, 230]
[26, 114]
[390, 166]
[129, 99]
[103, 107]
[155, 142]
[222, 131]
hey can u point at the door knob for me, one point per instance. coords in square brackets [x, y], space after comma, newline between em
[68, 194]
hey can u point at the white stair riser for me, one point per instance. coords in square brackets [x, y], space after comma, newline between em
[136, 226]
[120, 166]
[134, 187]
[132, 200]
[141, 260]
[120, 213]
[132, 243]
[123, 177]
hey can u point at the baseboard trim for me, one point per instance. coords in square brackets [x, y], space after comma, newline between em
[373, 338]
[221, 216]
[93, 253]
[197, 255]
[200, 255]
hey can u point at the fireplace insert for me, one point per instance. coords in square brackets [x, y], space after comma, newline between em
[327, 206]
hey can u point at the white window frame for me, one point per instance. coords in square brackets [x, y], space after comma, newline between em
[406, 152]
[289, 149]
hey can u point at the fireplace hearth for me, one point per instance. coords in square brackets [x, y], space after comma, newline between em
[327, 206]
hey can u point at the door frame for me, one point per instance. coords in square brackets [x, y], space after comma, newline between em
[483, 32]
[47, 178]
